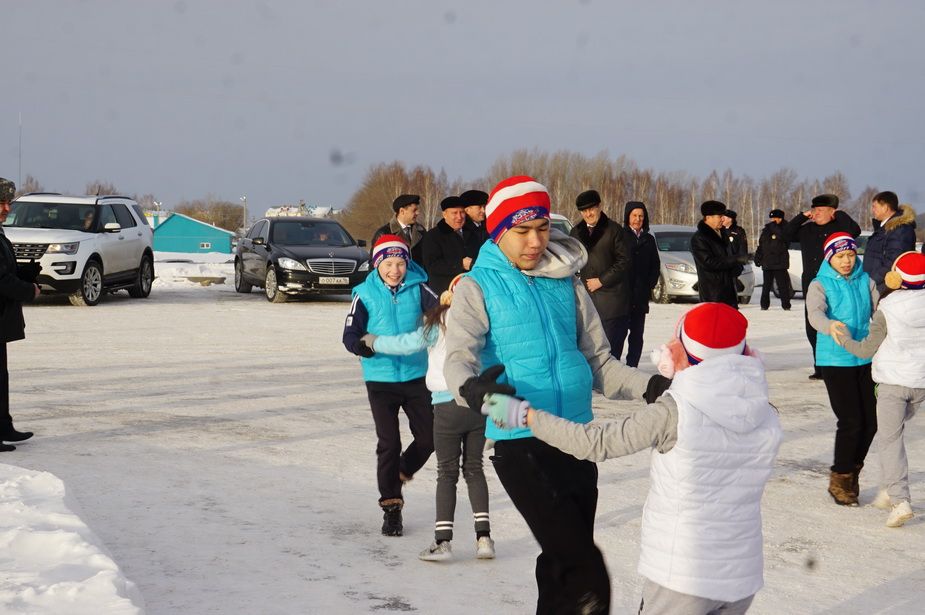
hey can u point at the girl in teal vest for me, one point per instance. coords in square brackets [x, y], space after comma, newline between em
[841, 297]
[389, 302]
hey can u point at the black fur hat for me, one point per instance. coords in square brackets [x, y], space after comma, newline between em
[712, 208]
[826, 200]
[588, 198]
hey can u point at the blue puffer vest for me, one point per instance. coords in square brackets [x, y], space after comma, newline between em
[391, 313]
[848, 300]
[534, 335]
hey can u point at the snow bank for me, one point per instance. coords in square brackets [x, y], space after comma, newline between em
[50, 561]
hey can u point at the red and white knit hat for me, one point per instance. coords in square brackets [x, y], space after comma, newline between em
[514, 201]
[390, 245]
[712, 330]
[908, 272]
[838, 242]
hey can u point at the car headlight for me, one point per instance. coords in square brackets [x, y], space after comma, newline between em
[63, 248]
[364, 266]
[682, 267]
[290, 263]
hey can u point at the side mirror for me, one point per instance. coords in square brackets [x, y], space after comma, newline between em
[361, 243]
[111, 227]
[258, 241]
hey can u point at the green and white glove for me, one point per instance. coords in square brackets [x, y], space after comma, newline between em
[506, 411]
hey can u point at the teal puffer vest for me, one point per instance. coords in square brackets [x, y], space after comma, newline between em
[534, 335]
[391, 313]
[848, 300]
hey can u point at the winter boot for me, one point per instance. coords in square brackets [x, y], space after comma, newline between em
[855, 483]
[841, 488]
[437, 552]
[391, 517]
[901, 513]
[6, 448]
[11, 435]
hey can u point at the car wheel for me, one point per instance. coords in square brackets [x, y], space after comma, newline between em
[142, 287]
[270, 287]
[660, 292]
[91, 286]
[239, 284]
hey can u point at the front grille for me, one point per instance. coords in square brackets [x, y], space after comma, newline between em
[331, 266]
[29, 250]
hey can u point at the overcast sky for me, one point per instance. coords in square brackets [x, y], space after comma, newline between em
[295, 99]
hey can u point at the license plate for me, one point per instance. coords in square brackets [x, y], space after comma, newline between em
[330, 280]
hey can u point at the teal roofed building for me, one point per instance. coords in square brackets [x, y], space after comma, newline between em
[179, 233]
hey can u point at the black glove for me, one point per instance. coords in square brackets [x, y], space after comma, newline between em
[364, 350]
[29, 271]
[476, 388]
[658, 384]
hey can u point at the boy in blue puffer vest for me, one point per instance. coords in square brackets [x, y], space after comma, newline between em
[843, 296]
[390, 301]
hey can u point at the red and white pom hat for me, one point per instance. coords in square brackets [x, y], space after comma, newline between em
[514, 201]
[838, 242]
[390, 245]
[712, 330]
[908, 272]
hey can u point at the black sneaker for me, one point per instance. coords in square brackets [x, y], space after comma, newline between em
[391, 520]
[815, 376]
[6, 448]
[15, 436]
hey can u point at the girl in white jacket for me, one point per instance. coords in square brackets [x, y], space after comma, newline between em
[714, 447]
[894, 341]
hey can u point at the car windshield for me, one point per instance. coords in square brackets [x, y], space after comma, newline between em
[67, 216]
[563, 225]
[674, 241]
[310, 233]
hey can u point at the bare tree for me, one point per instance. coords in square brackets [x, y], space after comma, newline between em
[30, 184]
[211, 210]
[100, 188]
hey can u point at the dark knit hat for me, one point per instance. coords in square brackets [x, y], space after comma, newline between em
[712, 208]
[404, 200]
[776, 213]
[826, 200]
[730, 214]
[450, 202]
[7, 190]
[473, 197]
[588, 198]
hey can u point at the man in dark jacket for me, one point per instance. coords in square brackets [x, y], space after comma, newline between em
[717, 266]
[894, 233]
[643, 277]
[811, 228]
[474, 232]
[405, 224]
[774, 259]
[17, 285]
[734, 233]
[443, 247]
[606, 275]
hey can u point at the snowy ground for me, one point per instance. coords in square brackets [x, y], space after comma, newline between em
[221, 448]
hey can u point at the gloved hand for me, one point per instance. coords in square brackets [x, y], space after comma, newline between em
[364, 350]
[29, 271]
[505, 411]
[476, 388]
[658, 384]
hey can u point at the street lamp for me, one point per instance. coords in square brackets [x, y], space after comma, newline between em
[244, 200]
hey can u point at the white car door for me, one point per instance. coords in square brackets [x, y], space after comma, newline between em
[113, 247]
[134, 240]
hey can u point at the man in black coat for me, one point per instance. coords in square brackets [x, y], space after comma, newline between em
[734, 233]
[774, 259]
[643, 277]
[606, 275]
[17, 285]
[811, 228]
[405, 224]
[717, 266]
[474, 231]
[443, 247]
[894, 233]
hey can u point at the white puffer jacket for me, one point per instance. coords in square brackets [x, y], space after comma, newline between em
[701, 526]
[900, 359]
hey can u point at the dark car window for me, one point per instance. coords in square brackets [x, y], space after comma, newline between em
[258, 230]
[65, 216]
[310, 233]
[107, 215]
[141, 214]
[674, 241]
[123, 217]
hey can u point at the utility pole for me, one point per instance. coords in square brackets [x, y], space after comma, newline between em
[244, 200]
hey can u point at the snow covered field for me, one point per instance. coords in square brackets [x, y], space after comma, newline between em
[220, 448]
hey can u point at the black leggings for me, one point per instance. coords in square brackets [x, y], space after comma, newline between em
[851, 393]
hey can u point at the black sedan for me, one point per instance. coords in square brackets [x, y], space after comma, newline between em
[289, 256]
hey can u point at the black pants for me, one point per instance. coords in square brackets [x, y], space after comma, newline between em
[6, 421]
[385, 398]
[635, 325]
[851, 393]
[612, 329]
[782, 278]
[810, 333]
[557, 496]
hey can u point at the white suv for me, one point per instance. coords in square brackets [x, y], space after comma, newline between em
[86, 245]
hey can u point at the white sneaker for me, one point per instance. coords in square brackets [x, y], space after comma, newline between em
[882, 501]
[437, 552]
[901, 513]
[485, 548]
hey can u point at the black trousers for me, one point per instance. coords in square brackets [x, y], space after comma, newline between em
[6, 421]
[557, 496]
[634, 324]
[851, 393]
[385, 399]
[782, 278]
[810, 333]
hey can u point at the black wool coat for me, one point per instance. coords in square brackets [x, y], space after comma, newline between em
[736, 236]
[646, 263]
[610, 260]
[14, 291]
[414, 241]
[717, 267]
[474, 236]
[772, 254]
[443, 250]
[812, 239]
